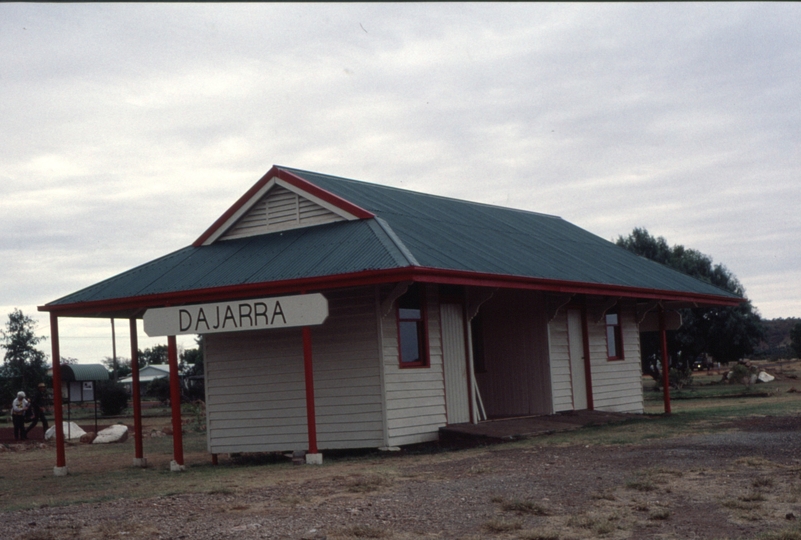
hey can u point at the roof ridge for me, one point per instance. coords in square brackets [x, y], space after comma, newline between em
[421, 193]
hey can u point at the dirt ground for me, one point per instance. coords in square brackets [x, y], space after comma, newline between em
[743, 483]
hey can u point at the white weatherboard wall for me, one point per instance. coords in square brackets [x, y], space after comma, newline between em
[415, 397]
[561, 384]
[616, 384]
[255, 388]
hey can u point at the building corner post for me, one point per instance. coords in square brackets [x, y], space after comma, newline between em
[177, 464]
[311, 422]
[61, 459]
[665, 359]
[139, 458]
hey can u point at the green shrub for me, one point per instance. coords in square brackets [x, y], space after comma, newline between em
[679, 378]
[741, 374]
[113, 398]
[159, 389]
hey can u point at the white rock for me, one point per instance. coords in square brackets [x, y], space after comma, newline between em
[112, 434]
[72, 431]
[764, 376]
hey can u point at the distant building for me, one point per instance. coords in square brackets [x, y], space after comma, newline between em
[146, 375]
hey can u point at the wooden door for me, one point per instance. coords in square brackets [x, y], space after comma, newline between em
[575, 334]
[454, 356]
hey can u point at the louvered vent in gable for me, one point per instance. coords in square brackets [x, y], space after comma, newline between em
[279, 210]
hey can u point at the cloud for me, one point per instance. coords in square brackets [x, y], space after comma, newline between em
[127, 129]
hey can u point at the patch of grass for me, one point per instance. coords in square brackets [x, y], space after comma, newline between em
[598, 525]
[37, 535]
[123, 529]
[539, 534]
[366, 483]
[643, 485]
[754, 461]
[793, 533]
[524, 507]
[659, 515]
[754, 496]
[220, 491]
[362, 531]
[481, 468]
[291, 500]
[740, 505]
[604, 496]
[501, 526]
[763, 482]
[663, 471]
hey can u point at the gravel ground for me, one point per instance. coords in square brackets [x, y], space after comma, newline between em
[738, 484]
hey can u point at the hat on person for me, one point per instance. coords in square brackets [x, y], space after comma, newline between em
[20, 394]
[41, 384]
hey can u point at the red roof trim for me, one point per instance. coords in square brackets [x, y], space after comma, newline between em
[320, 193]
[372, 277]
[294, 180]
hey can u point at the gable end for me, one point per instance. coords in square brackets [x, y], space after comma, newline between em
[278, 202]
[278, 210]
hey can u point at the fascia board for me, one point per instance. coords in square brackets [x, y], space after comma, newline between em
[372, 277]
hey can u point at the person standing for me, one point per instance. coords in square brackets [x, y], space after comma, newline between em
[38, 403]
[18, 408]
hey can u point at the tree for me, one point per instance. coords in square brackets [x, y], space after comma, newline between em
[191, 360]
[123, 367]
[191, 366]
[24, 366]
[725, 333]
[795, 337]
[156, 355]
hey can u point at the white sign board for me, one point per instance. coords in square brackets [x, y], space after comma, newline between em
[237, 315]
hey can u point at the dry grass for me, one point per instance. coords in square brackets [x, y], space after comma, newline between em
[599, 524]
[361, 531]
[499, 525]
[539, 534]
[524, 508]
[367, 483]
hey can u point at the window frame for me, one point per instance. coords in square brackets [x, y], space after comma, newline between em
[421, 324]
[615, 332]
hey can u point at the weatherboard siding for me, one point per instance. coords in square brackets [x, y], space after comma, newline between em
[256, 400]
[616, 384]
[559, 350]
[415, 397]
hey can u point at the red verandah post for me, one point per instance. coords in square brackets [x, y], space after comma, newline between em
[309, 374]
[665, 360]
[175, 403]
[61, 458]
[137, 400]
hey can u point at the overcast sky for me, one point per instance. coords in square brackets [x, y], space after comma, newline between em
[127, 129]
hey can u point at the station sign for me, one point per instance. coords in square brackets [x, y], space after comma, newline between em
[237, 315]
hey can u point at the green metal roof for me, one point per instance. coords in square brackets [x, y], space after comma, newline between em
[409, 230]
[84, 372]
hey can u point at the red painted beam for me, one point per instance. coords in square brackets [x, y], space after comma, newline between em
[665, 360]
[585, 344]
[58, 410]
[175, 401]
[137, 400]
[311, 422]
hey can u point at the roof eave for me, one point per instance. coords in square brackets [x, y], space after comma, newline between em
[135, 306]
